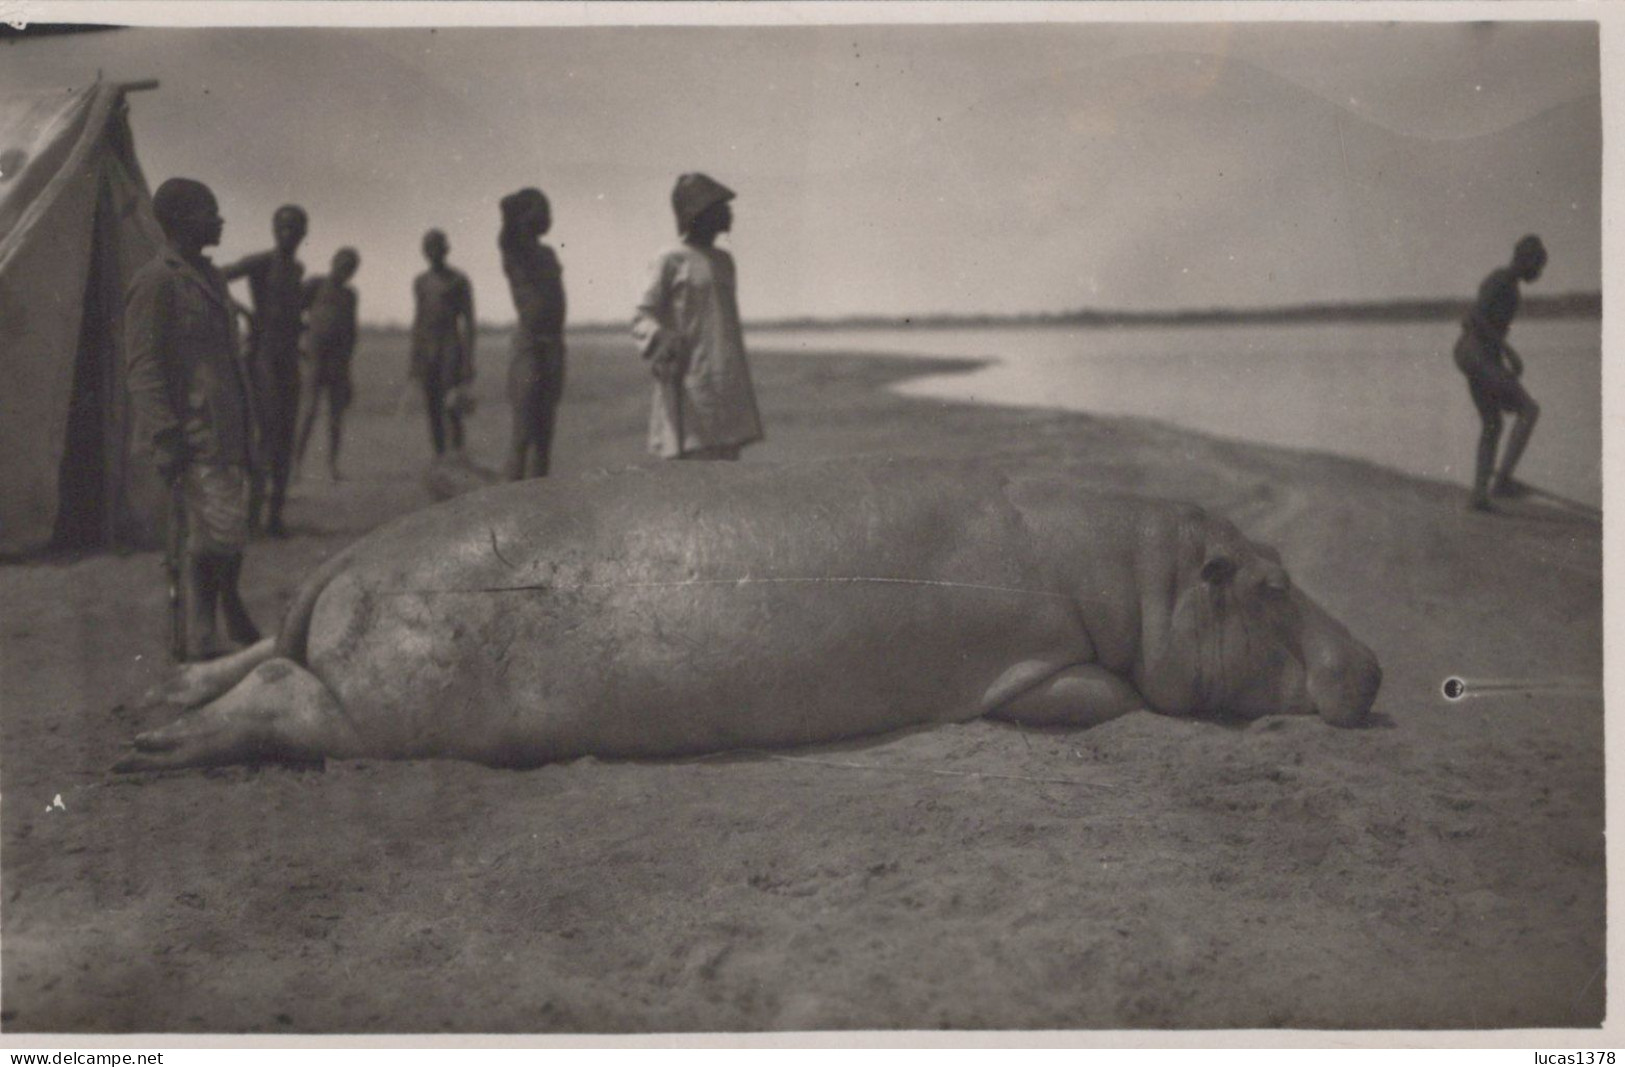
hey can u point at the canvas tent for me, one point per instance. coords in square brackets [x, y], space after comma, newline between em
[76, 223]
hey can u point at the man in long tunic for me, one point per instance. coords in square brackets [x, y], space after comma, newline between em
[1493, 370]
[190, 398]
[276, 284]
[687, 329]
[443, 334]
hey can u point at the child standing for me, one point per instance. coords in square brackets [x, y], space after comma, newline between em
[443, 334]
[687, 328]
[1493, 369]
[329, 346]
[276, 284]
[536, 369]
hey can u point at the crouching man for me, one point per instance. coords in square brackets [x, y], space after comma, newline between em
[190, 398]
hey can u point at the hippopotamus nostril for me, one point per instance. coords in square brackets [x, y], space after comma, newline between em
[1343, 683]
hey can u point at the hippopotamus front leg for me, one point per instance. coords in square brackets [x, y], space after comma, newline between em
[1034, 693]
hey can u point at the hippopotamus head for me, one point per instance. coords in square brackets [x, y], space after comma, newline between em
[1240, 639]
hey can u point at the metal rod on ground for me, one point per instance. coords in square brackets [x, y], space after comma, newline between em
[1456, 688]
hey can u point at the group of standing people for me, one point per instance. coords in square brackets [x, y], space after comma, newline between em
[222, 429]
[226, 433]
[686, 325]
[292, 316]
[228, 424]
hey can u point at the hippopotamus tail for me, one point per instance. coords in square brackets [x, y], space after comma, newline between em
[292, 638]
[197, 683]
[258, 703]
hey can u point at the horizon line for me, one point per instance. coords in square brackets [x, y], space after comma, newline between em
[1572, 303]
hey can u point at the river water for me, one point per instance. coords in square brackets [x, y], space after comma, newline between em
[1386, 392]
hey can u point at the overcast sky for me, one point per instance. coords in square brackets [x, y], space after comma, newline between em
[895, 169]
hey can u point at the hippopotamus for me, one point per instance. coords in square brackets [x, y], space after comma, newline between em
[696, 608]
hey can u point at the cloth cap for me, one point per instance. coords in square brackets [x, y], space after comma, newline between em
[693, 194]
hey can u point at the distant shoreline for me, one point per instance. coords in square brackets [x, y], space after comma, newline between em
[1535, 306]
[1564, 305]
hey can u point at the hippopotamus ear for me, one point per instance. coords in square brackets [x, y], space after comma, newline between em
[1219, 570]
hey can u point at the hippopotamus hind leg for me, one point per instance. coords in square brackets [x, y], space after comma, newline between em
[280, 711]
[197, 683]
[1033, 693]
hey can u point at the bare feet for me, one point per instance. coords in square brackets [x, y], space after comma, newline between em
[1510, 487]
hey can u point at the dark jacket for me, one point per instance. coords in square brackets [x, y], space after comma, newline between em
[188, 389]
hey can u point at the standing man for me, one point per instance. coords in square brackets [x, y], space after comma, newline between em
[687, 328]
[190, 398]
[1493, 368]
[536, 364]
[276, 284]
[330, 344]
[443, 334]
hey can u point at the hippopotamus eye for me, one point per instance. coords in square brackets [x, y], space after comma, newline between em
[1218, 570]
[1276, 583]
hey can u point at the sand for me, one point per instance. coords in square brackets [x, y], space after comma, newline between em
[1443, 868]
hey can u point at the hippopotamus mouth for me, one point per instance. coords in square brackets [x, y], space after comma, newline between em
[1339, 686]
[1343, 683]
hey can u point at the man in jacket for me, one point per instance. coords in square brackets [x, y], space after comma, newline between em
[191, 403]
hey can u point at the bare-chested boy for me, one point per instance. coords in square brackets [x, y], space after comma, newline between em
[536, 369]
[443, 335]
[330, 332]
[1493, 368]
[276, 284]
